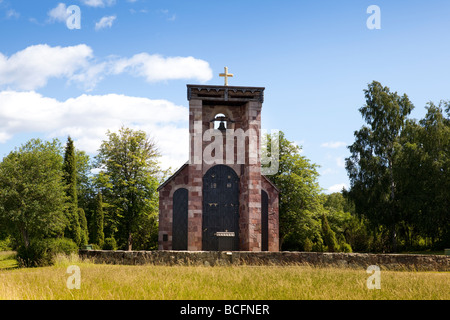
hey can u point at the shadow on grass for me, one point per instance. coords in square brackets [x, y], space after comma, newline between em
[8, 260]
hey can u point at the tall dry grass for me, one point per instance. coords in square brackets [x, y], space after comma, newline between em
[107, 282]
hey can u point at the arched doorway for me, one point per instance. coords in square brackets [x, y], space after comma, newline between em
[264, 221]
[180, 220]
[220, 207]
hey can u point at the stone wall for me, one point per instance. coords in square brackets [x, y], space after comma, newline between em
[317, 259]
[274, 219]
[205, 103]
[180, 180]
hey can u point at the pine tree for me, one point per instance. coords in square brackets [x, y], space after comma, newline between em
[98, 236]
[328, 235]
[84, 227]
[70, 179]
[308, 245]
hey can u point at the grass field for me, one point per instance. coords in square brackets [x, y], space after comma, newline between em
[7, 260]
[107, 282]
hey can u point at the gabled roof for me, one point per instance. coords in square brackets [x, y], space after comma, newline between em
[187, 163]
[271, 183]
[172, 176]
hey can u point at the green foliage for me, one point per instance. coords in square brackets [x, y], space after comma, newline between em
[5, 244]
[98, 235]
[372, 162]
[110, 244]
[308, 245]
[299, 195]
[129, 163]
[423, 179]
[42, 252]
[32, 193]
[399, 172]
[84, 227]
[329, 236]
[73, 229]
[85, 187]
[345, 247]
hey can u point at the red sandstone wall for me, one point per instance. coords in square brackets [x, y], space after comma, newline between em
[246, 117]
[180, 180]
[274, 227]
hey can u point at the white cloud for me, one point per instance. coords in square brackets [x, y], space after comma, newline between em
[169, 16]
[327, 171]
[337, 187]
[105, 22]
[99, 3]
[11, 13]
[87, 118]
[32, 67]
[333, 144]
[340, 162]
[59, 13]
[4, 137]
[157, 68]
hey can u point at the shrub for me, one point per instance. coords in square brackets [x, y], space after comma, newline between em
[110, 244]
[308, 245]
[329, 235]
[5, 244]
[318, 246]
[42, 252]
[95, 246]
[345, 247]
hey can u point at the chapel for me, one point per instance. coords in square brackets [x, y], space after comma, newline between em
[219, 200]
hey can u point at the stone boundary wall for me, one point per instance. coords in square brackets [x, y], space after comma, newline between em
[317, 259]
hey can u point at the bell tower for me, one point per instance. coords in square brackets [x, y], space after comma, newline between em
[236, 145]
[226, 191]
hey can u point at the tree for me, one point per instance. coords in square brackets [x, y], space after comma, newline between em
[424, 178]
[86, 191]
[84, 227]
[98, 235]
[128, 161]
[341, 220]
[300, 201]
[70, 179]
[372, 163]
[329, 236]
[32, 192]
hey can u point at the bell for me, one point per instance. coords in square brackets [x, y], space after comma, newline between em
[222, 126]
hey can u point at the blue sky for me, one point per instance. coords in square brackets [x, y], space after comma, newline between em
[131, 60]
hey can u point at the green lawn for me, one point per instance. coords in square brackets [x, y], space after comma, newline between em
[7, 260]
[218, 283]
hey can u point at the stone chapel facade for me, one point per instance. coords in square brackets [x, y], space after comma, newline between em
[219, 200]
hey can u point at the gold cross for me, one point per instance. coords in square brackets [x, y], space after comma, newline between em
[226, 75]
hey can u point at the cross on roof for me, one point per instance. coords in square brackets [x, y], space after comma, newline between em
[226, 75]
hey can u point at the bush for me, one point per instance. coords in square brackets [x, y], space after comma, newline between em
[5, 244]
[110, 244]
[345, 247]
[42, 252]
[318, 246]
[329, 236]
[308, 245]
[95, 246]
